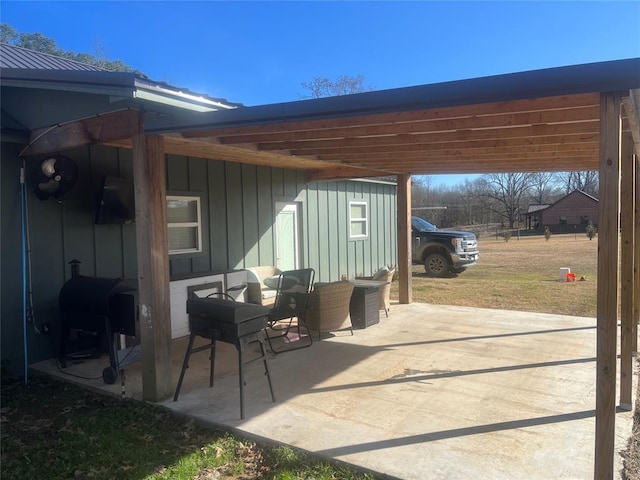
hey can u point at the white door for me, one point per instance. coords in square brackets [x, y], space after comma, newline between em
[287, 247]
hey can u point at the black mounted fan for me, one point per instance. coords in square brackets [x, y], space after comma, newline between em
[54, 176]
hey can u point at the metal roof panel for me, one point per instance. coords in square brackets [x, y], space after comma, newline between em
[12, 56]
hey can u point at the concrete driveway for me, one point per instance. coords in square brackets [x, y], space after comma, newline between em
[432, 392]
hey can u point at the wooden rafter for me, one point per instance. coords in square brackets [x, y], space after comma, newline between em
[97, 129]
[409, 116]
[540, 134]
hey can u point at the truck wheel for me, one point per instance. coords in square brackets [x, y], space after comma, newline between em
[436, 265]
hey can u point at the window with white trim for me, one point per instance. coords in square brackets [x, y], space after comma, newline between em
[358, 220]
[184, 227]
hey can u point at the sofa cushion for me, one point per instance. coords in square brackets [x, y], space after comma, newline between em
[272, 282]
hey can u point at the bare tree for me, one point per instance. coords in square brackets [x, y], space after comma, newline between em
[343, 85]
[541, 187]
[587, 181]
[507, 191]
[421, 195]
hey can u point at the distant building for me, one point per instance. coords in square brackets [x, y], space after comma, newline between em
[572, 213]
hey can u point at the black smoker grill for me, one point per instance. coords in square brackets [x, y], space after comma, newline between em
[231, 322]
[106, 306]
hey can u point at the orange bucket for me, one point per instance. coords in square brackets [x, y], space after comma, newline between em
[571, 277]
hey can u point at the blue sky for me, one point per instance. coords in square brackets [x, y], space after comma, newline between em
[261, 52]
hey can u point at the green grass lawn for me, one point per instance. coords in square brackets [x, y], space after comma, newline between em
[519, 275]
[53, 430]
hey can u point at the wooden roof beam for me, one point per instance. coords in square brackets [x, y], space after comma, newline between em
[426, 141]
[545, 164]
[528, 131]
[382, 158]
[344, 173]
[498, 108]
[446, 149]
[554, 117]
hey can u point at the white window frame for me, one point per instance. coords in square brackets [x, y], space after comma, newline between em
[364, 220]
[197, 224]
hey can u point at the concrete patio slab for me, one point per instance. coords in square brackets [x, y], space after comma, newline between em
[435, 392]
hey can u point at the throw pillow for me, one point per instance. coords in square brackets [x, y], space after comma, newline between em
[272, 282]
[381, 274]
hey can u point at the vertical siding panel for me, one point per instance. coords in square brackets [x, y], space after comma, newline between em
[198, 185]
[301, 187]
[343, 230]
[278, 189]
[323, 237]
[370, 243]
[313, 232]
[381, 247]
[235, 234]
[290, 185]
[217, 215]
[265, 217]
[250, 215]
[79, 207]
[335, 269]
[129, 251]
[11, 294]
[177, 173]
[377, 239]
[277, 182]
[360, 252]
[392, 216]
[108, 238]
[389, 221]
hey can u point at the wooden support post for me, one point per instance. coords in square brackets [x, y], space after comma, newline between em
[607, 289]
[631, 110]
[636, 249]
[627, 207]
[149, 174]
[404, 239]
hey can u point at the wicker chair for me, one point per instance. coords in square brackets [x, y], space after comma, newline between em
[384, 275]
[328, 309]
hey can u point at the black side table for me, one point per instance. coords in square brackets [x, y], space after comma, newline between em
[364, 307]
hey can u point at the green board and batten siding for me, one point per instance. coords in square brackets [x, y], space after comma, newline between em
[237, 204]
[327, 243]
[240, 226]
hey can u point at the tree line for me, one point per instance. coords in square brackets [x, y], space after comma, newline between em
[39, 43]
[494, 199]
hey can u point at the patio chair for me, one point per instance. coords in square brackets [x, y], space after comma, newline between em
[328, 309]
[291, 302]
[384, 274]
